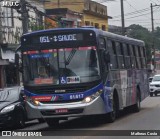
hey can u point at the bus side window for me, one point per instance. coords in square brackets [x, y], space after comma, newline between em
[122, 53]
[135, 56]
[143, 56]
[112, 51]
[120, 57]
[126, 56]
[139, 57]
[133, 65]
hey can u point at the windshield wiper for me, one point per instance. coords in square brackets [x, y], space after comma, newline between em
[72, 53]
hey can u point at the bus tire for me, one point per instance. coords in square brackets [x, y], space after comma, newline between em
[137, 106]
[114, 114]
[52, 122]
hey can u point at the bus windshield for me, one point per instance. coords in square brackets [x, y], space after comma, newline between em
[61, 66]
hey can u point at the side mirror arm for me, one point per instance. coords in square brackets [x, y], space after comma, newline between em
[107, 57]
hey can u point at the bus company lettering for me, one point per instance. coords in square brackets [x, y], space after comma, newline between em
[77, 96]
[44, 39]
[60, 38]
[69, 37]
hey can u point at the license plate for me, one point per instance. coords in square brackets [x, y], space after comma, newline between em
[61, 111]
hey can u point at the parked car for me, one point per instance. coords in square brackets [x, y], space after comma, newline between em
[154, 86]
[12, 110]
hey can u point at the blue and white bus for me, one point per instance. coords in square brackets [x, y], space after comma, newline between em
[74, 72]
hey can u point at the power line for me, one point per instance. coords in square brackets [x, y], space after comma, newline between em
[137, 16]
[133, 7]
[131, 13]
[152, 1]
[130, 5]
[128, 20]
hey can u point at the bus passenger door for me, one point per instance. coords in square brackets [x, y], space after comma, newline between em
[104, 64]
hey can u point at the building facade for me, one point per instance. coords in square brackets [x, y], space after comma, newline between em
[11, 29]
[94, 14]
[66, 17]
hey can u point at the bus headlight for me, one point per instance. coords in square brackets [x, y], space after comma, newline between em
[33, 101]
[36, 102]
[87, 99]
[92, 97]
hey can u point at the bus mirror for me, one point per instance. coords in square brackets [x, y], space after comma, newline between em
[107, 57]
[16, 60]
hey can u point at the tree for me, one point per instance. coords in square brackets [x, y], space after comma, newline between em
[141, 33]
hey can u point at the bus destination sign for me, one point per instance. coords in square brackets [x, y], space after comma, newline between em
[60, 38]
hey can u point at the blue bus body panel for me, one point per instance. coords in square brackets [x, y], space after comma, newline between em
[106, 95]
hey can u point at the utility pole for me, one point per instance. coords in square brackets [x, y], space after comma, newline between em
[153, 38]
[58, 3]
[1, 39]
[24, 15]
[153, 48]
[122, 18]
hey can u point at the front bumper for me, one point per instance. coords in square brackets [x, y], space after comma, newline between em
[154, 89]
[76, 109]
[7, 119]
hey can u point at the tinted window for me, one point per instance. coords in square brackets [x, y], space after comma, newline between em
[112, 51]
[120, 56]
[126, 56]
[102, 43]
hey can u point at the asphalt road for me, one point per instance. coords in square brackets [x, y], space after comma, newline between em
[146, 119]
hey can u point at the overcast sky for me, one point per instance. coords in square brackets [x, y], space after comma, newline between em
[136, 12]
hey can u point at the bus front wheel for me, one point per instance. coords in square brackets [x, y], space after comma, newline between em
[114, 114]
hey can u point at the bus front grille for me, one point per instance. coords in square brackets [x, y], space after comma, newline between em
[58, 90]
[61, 101]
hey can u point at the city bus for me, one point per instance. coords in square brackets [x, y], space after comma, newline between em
[75, 72]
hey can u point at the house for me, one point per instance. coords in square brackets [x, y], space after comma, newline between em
[67, 18]
[93, 13]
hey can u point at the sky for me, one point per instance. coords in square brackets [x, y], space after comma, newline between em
[135, 12]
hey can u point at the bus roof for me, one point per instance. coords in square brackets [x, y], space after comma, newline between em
[97, 31]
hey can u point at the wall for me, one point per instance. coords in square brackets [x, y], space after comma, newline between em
[93, 12]
[74, 5]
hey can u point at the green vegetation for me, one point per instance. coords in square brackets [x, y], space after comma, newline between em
[139, 32]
